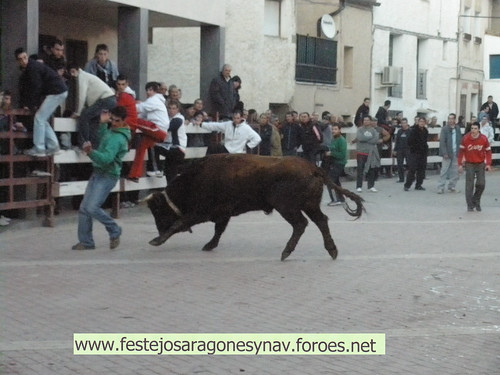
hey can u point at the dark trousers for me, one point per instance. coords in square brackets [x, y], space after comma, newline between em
[335, 171]
[173, 158]
[309, 155]
[88, 122]
[371, 175]
[292, 152]
[402, 158]
[474, 172]
[416, 169]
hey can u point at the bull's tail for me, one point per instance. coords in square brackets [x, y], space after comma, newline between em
[347, 193]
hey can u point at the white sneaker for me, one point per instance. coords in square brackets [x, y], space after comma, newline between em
[373, 190]
[4, 222]
[38, 173]
[53, 152]
[155, 174]
[34, 152]
[334, 203]
[359, 190]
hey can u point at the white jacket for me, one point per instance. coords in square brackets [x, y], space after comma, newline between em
[181, 134]
[235, 137]
[153, 109]
[488, 131]
[90, 89]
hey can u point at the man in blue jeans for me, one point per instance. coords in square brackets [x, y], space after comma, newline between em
[107, 163]
[36, 82]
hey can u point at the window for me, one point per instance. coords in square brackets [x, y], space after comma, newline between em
[316, 60]
[466, 21]
[348, 66]
[478, 25]
[422, 84]
[391, 48]
[272, 16]
[445, 50]
[395, 46]
[421, 81]
[396, 91]
[494, 66]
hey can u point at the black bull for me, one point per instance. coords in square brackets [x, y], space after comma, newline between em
[217, 187]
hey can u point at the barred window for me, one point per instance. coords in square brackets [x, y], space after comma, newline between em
[316, 60]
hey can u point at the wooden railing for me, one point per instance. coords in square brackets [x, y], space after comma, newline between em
[73, 188]
[350, 134]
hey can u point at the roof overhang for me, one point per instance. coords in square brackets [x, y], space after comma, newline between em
[172, 13]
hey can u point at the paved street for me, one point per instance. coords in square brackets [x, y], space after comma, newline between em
[416, 267]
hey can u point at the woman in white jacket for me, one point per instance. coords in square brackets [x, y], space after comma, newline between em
[487, 130]
[152, 123]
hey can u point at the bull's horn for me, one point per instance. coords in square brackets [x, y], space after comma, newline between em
[146, 199]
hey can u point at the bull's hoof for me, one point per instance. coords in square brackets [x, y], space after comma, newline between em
[210, 245]
[333, 253]
[285, 255]
[156, 241]
[208, 248]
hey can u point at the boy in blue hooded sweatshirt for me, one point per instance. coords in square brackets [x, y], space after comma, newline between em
[107, 163]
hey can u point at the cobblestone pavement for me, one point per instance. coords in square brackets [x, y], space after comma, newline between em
[416, 267]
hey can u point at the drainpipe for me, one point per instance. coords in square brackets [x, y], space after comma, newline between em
[457, 74]
[333, 14]
[340, 9]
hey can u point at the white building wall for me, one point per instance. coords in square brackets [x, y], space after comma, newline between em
[491, 86]
[266, 65]
[174, 58]
[434, 23]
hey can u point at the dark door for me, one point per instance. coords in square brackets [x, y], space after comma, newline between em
[77, 52]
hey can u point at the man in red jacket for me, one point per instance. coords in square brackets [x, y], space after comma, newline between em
[475, 149]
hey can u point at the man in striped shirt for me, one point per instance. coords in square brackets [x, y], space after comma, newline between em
[474, 151]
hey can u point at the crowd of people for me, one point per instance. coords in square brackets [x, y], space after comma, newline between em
[470, 151]
[111, 119]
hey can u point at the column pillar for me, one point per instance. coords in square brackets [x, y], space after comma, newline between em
[133, 47]
[212, 55]
[19, 22]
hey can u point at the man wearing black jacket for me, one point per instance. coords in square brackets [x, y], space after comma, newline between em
[311, 137]
[362, 112]
[493, 112]
[36, 82]
[417, 161]
[291, 132]
[221, 94]
[382, 115]
[401, 150]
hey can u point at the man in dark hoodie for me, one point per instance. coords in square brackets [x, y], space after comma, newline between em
[107, 163]
[42, 90]
[362, 112]
[401, 149]
[417, 161]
